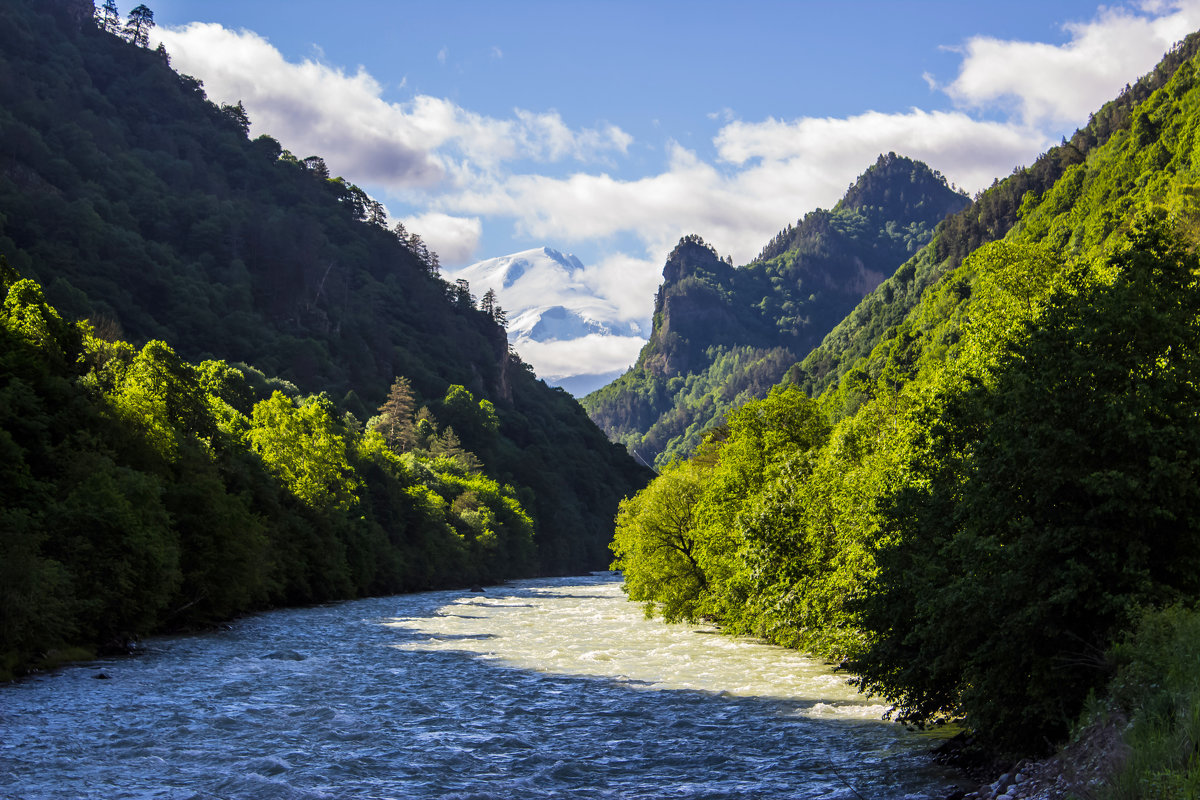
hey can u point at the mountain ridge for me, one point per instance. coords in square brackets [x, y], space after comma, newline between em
[760, 319]
[139, 204]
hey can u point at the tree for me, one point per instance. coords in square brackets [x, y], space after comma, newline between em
[317, 165]
[1047, 506]
[461, 293]
[396, 416]
[487, 304]
[656, 546]
[137, 27]
[305, 449]
[237, 114]
[109, 17]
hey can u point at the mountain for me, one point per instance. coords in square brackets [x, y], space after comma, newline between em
[722, 335]
[141, 206]
[548, 303]
[988, 513]
[887, 326]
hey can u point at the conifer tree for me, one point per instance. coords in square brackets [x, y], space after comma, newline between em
[137, 28]
[108, 17]
[396, 416]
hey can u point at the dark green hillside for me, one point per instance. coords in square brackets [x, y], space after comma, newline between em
[992, 215]
[724, 335]
[975, 517]
[141, 206]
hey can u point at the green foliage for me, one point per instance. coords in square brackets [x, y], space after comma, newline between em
[137, 496]
[673, 539]
[304, 448]
[1157, 688]
[137, 204]
[723, 336]
[655, 544]
[1046, 504]
[1011, 467]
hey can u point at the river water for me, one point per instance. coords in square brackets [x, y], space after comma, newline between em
[537, 689]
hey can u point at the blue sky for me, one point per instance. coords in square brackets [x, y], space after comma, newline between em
[610, 129]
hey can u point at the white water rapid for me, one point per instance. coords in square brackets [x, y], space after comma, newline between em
[537, 689]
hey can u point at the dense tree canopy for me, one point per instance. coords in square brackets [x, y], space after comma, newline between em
[136, 203]
[1003, 483]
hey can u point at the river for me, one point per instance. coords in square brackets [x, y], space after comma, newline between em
[537, 689]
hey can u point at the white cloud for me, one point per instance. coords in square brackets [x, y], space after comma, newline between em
[1048, 84]
[628, 282]
[589, 355]
[780, 171]
[313, 108]
[1013, 100]
[454, 239]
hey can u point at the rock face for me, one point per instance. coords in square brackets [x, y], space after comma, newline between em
[774, 310]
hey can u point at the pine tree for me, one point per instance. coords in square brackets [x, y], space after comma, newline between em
[137, 28]
[487, 304]
[396, 416]
[109, 17]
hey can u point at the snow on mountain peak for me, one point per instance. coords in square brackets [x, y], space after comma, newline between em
[548, 302]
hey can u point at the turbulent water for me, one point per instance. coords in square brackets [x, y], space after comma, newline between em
[538, 689]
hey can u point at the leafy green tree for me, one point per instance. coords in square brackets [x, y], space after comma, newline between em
[656, 546]
[160, 394]
[1048, 507]
[238, 116]
[473, 420]
[305, 449]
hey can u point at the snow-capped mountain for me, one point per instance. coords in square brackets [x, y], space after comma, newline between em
[571, 335]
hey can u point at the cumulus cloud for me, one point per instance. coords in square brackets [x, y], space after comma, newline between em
[1049, 84]
[1011, 100]
[454, 239]
[314, 108]
[780, 170]
[628, 282]
[589, 355]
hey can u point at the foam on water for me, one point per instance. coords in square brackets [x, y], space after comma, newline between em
[539, 689]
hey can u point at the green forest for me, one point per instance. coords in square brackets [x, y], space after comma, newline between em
[225, 385]
[986, 510]
[949, 445]
[724, 335]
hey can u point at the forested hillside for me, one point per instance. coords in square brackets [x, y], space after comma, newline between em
[883, 312]
[226, 385]
[989, 514]
[144, 208]
[725, 335]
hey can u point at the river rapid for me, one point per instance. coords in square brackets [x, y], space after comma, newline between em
[537, 689]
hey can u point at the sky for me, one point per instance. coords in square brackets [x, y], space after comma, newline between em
[611, 129]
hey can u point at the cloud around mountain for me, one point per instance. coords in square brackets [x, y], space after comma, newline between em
[558, 321]
[454, 175]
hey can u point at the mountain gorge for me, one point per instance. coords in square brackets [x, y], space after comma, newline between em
[723, 335]
[986, 509]
[180, 297]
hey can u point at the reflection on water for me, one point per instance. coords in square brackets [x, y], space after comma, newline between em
[541, 689]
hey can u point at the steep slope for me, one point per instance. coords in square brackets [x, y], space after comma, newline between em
[723, 335]
[138, 204]
[978, 512]
[992, 215]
